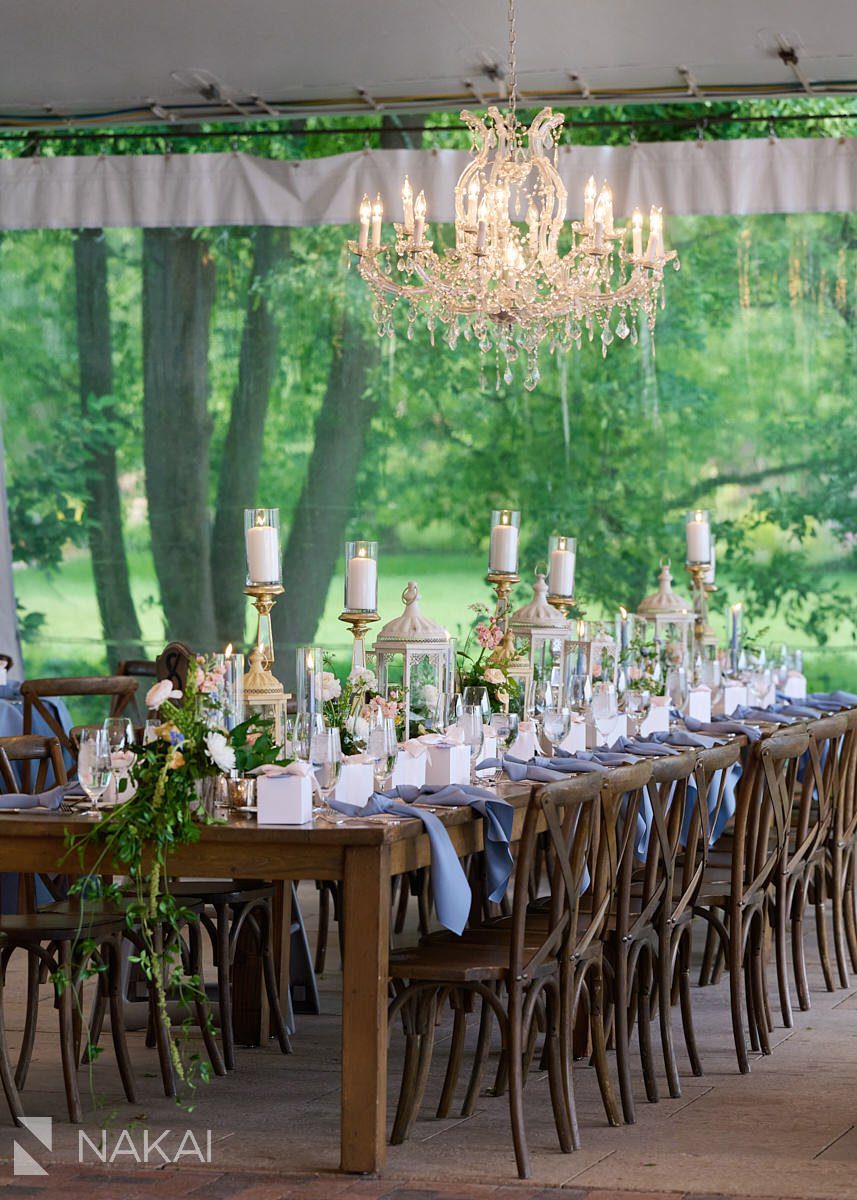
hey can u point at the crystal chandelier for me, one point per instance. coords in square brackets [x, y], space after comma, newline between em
[519, 274]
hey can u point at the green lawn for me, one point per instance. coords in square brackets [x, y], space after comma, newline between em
[448, 582]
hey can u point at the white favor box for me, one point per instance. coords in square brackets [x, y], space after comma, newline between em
[356, 784]
[657, 719]
[575, 739]
[410, 769]
[732, 695]
[283, 799]
[448, 764]
[699, 702]
[795, 687]
[618, 729]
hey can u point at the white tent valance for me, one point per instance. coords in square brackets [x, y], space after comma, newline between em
[731, 177]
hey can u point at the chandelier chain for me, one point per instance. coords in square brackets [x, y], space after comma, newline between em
[512, 81]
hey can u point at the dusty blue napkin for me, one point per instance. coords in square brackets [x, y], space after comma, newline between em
[643, 749]
[722, 725]
[49, 801]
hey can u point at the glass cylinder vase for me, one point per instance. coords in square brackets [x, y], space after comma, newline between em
[562, 558]
[503, 547]
[262, 546]
[361, 577]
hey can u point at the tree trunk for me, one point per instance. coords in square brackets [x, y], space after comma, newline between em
[119, 624]
[178, 292]
[325, 504]
[242, 450]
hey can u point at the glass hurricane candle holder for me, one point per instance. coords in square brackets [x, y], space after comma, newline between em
[262, 545]
[698, 533]
[361, 577]
[310, 668]
[503, 548]
[562, 557]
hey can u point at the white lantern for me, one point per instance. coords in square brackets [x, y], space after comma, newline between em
[673, 619]
[539, 633]
[418, 654]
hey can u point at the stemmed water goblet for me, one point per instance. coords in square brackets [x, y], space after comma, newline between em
[325, 758]
[382, 747]
[477, 695]
[120, 738]
[638, 702]
[473, 726]
[555, 725]
[677, 687]
[604, 709]
[505, 726]
[93, 766]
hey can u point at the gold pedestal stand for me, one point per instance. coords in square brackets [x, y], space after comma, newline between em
[562, 604]
[704, 635]
[260, 685]
[359, 622]
[502, 585]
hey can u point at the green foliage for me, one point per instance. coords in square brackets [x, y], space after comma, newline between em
[254, 745]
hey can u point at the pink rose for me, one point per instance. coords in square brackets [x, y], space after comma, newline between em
[159, 692]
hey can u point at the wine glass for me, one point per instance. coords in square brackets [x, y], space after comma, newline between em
[383, 748]
[544, 694]
[325, 758]
[472, 723]
[578, 693]
[120, 737]
[150, 731]
[604, 709]
[505, 725]
[306, 724]
[638, 702]
[93, 765]
[555, 725]
[477, 695]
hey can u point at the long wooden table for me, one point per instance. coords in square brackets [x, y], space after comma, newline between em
[364, 854]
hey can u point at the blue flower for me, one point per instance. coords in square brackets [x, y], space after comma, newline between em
[176, 738]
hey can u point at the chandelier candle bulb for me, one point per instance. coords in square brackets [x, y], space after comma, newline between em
[561, 559]
[361, 576]
[698, 533]
[482, 228]
[472, 202]
[604, 210]
[503, 554]
[262, 544]
[589, 202]
[377, 214]
[365, 218]
[407, 205]
[419, 219]
[654, 249]
[637, 233]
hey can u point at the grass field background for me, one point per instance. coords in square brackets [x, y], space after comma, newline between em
[448, 583]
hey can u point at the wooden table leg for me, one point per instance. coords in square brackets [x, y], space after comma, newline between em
[366, 903]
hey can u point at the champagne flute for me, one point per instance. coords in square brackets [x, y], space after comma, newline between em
[605, 709]
[677, 687]
[383, 748]
[93, 766]
[472, 723]
[325, 757]
[505, 726]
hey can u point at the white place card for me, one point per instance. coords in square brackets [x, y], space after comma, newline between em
[699, 702]
[657, 719]
[795, 686]
[732, 695]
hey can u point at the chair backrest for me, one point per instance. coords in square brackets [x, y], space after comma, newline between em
[35, 693]
[763, 811]
[173, 662]
[710, 775]
[845, 811]
[137, 668]
[622, 792]
[31, 748]
[569, 810]
[818, 794]
[670, 794]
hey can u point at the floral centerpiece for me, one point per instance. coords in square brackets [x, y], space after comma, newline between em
[351, 707]
[166, 806]
[483, 665]
[644, 668]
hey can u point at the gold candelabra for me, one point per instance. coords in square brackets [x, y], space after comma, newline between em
[502, 584]
[359, 622]
[260, 684]
[702, 631]
[562, 604]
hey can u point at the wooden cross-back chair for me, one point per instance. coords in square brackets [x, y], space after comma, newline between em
[841, 854]
[173, 662]
[139, 669]
[36, 692]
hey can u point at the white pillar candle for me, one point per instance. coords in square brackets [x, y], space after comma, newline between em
[407, 205]
[599, 235]
[361, 583]
[472, 201]
[637, 233]
[263, 554]
[482, 228]
[698, 539]
[503, 555]
[419, 218]
[589, 201]
[377, 214]
[561, 572]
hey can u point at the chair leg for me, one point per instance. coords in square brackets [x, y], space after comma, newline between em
[265, 927]
[839, 941]
[158, 1030]
[559, 1101]
[65, 993]
[849, 904]
[799, 961]
[686, 1000]
[112, 984]
[483, 1041]
[665, 1016]
[516, 1085]
[599, 1043]
[621, 1037]
[645, 976]
[456, 1050]
[419, 1044]
[201, 1007]
[781, 916]
[224, 987]
[13, 1097]
[712, 943]
[820, 905]
[30, 1021]
[757, 934]
[735, 984]
[323, 927]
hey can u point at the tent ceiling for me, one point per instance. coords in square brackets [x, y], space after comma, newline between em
[113, 58]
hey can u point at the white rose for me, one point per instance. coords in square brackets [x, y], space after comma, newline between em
[362, 677]
[219, 750]
[331, 688]
[493, 675]
[161, 691]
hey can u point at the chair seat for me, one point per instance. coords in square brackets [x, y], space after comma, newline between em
[468, 961]
[58, 926]
[222, 891]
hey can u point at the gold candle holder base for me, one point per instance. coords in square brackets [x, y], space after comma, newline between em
[562, 604]
[702, 631]
[261, 686]
[359, 623]
[502, 585]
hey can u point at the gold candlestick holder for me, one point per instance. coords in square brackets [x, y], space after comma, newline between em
[359, 623]
[562, 604]
[702, 631]
[502, 584]
[261, 686]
